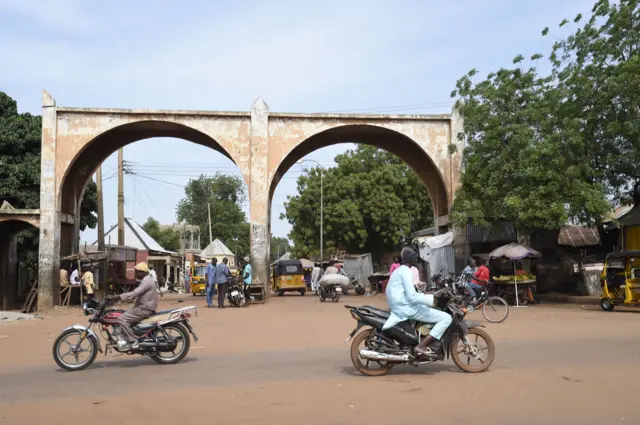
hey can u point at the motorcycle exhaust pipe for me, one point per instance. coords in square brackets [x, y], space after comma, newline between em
[375, 355]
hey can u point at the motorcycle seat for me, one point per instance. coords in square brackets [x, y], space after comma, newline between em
[377, 311]
[159, 313]
[142, 327]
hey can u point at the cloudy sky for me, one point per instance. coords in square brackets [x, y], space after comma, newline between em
[363, 56]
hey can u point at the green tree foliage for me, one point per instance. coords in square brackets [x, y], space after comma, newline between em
[279, 246]
[226, 194]
[521, 163]
[168, 238]
[597, 69]
[20, 136]
[372, 200]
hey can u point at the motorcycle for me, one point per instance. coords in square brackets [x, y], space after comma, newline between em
[384, 349]
[164, 337]
[237, 293]
[332, 291]
[357, 286]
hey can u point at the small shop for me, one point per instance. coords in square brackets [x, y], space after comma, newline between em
[168, 266]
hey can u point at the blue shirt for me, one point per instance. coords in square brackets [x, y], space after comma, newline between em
[403, 298]
[211, 274]
[247, 274]
[222, 273]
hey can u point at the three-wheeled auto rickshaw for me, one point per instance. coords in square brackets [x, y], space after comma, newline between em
[288, 276]
[198, 282]
[620, 280]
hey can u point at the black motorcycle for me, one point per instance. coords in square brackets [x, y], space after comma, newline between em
[330, 291]
[237, 293]
[374, 351]
[357, 286]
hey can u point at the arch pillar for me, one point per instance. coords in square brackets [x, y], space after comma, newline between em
[259, 193]
[49, 249]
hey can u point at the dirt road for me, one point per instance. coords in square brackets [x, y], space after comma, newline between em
[285, 363]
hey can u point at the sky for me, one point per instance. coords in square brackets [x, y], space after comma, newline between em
[350, 56]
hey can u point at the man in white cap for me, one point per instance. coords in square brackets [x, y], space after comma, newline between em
[145, 305]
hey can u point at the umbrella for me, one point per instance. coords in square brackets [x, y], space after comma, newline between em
[514, 251]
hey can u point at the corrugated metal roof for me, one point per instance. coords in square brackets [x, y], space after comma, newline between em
[499, 231]
[578, 236]
[216, 248]
[134, 236]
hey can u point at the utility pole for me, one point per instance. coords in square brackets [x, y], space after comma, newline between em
[210, 232]
[100, 209]
[120, 198]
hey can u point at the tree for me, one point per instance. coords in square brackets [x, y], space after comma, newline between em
[168, 238]
[20, 136]
[372, 200]
[520, 161]
[278, 246]
[226, 194]
[596, 69]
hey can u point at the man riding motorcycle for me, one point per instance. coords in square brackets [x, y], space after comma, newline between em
[408, 304]
[146, 304]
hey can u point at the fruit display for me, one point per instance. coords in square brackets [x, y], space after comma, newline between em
[519, 278]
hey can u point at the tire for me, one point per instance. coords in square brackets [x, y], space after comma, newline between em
[335, 297]
[363, 368]
[62, 339]
[323, 298]
[606, 304]
[280, 293]
[359, 290]
[496, 303]
[187, 344]
[302, 293]
[459, 361]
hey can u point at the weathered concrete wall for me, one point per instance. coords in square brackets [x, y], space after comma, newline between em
[75, 141]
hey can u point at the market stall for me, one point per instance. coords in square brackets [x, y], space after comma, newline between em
[520, 283]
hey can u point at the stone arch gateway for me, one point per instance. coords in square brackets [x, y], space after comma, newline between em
[262, 144]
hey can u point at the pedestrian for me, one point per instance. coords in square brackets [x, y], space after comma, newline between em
[316, 274]
[154, 276]
[223, 274]
[210, 278]
[247, 273]
[395, 265]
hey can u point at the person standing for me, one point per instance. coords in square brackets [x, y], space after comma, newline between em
[316, 274]
[223, 274]
[247, 273]
[64, 277]
[395, 265]
[154, 276]
[210, 278]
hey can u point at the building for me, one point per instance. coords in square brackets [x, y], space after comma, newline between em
[167, 264]
[219, 250]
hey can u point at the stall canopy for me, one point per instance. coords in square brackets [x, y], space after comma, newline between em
[306, 264]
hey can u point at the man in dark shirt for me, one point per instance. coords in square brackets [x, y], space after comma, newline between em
[222, 276]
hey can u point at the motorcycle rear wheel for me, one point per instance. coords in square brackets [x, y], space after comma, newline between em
[64, 338]
[176, 358]
[335, 297]
[463, 360]
[363, 365]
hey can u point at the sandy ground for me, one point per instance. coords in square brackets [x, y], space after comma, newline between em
[285, 362]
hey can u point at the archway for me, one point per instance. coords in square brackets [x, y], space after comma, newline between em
[78, 171]
[386, 139]
[87, 160]
[14, 280]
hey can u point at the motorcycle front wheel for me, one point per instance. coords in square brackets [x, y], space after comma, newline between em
[365, 366]
[72, 353]
[179, 333]
[481, 350]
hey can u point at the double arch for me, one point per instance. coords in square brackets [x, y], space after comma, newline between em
[263, 146]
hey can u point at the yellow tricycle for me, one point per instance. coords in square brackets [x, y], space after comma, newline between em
[620, 280]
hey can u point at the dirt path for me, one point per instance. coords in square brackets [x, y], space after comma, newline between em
[285, 362]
